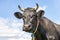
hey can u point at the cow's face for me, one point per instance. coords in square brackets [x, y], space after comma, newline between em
[29, 17]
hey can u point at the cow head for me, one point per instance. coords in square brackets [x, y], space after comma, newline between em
[29, 17]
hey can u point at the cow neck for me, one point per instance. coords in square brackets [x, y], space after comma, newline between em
[38, 22]
[38, 33]
[36, 26]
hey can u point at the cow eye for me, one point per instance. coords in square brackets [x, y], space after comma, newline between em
[24, 17]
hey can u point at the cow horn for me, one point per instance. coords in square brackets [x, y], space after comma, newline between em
[37, 6]
[22, 9]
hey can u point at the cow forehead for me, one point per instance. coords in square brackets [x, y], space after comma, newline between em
[29, 12]
[29, 8]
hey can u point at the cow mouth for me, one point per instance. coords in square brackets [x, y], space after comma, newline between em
[28, 29]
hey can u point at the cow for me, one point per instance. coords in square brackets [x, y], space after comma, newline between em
[36, 23]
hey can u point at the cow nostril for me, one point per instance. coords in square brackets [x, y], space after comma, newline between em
[29, 26]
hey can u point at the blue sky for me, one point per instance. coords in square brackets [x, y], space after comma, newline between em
[8, 7]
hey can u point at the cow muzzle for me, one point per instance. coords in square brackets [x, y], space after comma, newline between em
[26, 27]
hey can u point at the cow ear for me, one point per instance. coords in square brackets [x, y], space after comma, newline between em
[40, 13]
[18, 15]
